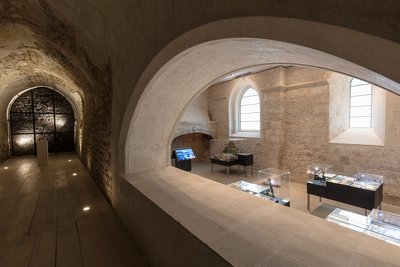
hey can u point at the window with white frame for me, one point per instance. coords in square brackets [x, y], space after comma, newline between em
[360, 104]
[249, 112]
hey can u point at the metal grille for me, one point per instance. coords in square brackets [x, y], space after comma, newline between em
[41, 113]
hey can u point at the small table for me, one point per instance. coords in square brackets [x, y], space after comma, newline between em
[246, 159]
[226, 163]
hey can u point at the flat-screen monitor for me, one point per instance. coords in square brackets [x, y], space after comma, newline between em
[184, 154]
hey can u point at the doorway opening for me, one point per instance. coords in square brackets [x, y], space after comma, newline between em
[41, 113]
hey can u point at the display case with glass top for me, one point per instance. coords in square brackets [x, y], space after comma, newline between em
[340, 179]
[318, 173]
[277, 183]
[272, 184]
[384, 225]
[253, 189]
[367, 181]
[349, 219]
[364, 190]
[380, 224]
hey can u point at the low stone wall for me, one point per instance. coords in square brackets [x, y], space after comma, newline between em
[181, 219]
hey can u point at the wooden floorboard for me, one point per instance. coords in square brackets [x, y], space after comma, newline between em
[69, 209]
[17, 253]
[96, 244]
[45, 216]
[42, 221]
[44, 249]
[19, 221]
[6, 207]
[68, 246]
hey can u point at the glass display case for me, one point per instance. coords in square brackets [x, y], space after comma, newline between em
[349, 219]
[380, 224]
[384, 225]
[340, 179]
[318, 173]
[253, 189]
[367, 181]
[277, 183]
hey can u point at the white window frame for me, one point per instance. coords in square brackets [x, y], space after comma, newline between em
[240, 110]
[339, 114]
[352, 87]
[234, 112]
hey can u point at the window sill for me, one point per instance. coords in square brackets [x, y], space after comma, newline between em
[358, 137]
[245, 135]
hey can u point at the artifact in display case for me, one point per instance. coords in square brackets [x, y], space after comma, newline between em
[318, 173]
[384, 225]
[349, 219]
[277, 183]
[367, 181]
[253, 189]
[380, 224]
[339, 179]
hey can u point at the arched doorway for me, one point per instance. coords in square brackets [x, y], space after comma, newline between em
[199, 142]
[41, 113]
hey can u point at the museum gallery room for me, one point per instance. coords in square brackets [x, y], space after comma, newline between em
[199, 133]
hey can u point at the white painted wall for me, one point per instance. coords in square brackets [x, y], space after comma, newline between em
[197, 110]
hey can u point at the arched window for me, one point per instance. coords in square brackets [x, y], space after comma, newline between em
[249, 111]
[360, 104]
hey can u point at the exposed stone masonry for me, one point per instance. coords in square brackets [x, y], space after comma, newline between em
[295, 128]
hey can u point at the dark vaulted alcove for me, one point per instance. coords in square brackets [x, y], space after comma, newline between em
[41, 113]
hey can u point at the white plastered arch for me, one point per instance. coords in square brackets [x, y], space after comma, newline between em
[191, 63]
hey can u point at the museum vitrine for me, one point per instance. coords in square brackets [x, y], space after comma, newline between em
[318, 173]
[363, 190]
[380, 224]
[272, 184]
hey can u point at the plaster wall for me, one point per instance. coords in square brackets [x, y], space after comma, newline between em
[295, 126]
[197, 111]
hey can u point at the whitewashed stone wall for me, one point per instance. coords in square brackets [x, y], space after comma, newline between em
[295, 127]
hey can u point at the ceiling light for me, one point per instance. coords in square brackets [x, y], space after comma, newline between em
[86, 208]
[74, 174]
[6, 168]
[69, 160]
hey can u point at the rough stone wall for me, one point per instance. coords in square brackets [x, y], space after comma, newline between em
[295, 128]
[4, 147]
[306, 120]
[96, 141]
[51, 50]
[271, 115]
[200, 144]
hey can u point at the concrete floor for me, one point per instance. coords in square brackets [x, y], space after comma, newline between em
[43, 221]
[298, 191]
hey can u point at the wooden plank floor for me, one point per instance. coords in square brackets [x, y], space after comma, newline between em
[42, 221]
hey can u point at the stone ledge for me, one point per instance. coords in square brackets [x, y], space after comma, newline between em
[245, 230]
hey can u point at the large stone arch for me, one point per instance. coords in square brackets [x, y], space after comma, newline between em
[193, 61]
